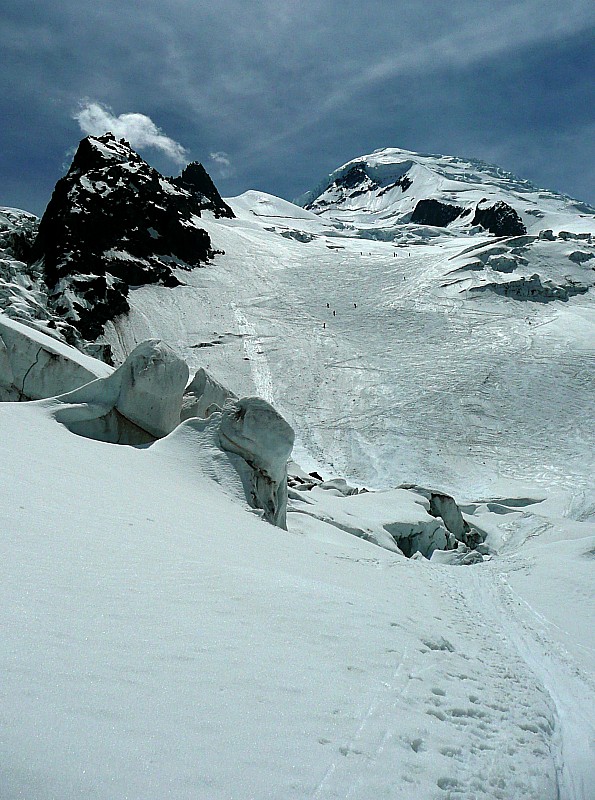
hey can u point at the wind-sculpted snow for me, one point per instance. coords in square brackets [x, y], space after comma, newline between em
[138, 403]
[203, 396]
[151, 384]
[146, 399]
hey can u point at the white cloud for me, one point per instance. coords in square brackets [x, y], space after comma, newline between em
[138, 129]
[223, 163]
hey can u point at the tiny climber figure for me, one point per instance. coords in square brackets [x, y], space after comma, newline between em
[334, 313]
[324, 325]
[355, 305]
[328, 305]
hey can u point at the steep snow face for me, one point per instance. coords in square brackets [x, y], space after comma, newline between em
[378, 192]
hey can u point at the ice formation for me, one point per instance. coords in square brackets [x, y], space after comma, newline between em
[203, 396]
[251, 429]
[34, 366]
[138, 403]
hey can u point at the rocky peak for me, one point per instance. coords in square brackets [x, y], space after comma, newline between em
[347, 184]
[114, 222]
[197, 181]
[97, 152]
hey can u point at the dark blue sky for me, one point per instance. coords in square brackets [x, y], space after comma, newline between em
[273, 95]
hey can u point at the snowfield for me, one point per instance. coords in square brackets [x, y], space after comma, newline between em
[159, 639]
[400, 378]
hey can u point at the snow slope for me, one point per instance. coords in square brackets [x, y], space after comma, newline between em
[160, 640]
[407, 375]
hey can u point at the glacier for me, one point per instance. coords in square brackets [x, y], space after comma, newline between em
[161, 638]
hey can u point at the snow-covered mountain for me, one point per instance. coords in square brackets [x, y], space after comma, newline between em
[439, 381]
[378, 193]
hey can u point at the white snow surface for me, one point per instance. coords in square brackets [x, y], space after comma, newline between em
[160, 640]
[378, 207]
[410, 374]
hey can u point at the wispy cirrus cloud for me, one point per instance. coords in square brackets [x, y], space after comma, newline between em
[138, 129]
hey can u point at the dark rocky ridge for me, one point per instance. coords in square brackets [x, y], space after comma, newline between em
[500, 219]
[356, 178]
[404, 183]
[433, 212]
[197, 181]
[114, 222]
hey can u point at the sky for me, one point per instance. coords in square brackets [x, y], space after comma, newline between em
[273, 95]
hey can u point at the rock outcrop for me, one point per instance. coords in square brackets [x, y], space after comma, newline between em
[114, 222]
[198, 183]
[500, 219]
[353, 182]
[433, 212]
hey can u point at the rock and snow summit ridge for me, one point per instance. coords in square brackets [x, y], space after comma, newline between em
[392, 186]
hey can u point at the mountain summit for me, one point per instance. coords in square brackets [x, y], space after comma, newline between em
[393, 187]
[115, 222]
